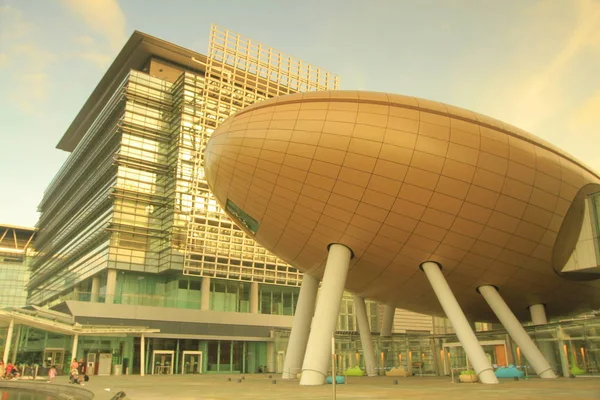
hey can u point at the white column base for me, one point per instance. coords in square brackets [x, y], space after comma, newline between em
[142, 355]
[464, 333]
[74, 346]
[365, 335]
[318, 349]
[294, 356]
[516, 331]
[538, 317]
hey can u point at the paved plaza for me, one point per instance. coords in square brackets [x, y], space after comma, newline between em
[218, 387]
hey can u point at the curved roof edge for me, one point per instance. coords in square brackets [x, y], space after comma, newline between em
[419, 104]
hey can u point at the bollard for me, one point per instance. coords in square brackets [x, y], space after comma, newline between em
[395, 382]
[274, 381]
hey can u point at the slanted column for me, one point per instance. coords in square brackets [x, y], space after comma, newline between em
[365, 335]
[8, 341]
[254, 297]
[16, 345]
[387, 324]
[74, 346]
[305, 308]
[111, 286]
[459, 322]
[95, 289]
[318, 349]
[205, 293]
[516, 331]
[142, 355]
[538, 317]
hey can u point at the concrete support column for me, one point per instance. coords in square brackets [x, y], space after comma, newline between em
[538, 314]
[562, 351]
[13, 359]
[111, 286]
[270, 357]
[95, 289]
[142, 355]
[516, 331]
[459, 322]
[74, 346]
[538, 317]
[365, 335]
[254, 297]
[8, 341]
[205, 293]
[387, 324]
[318, 349]
[305, 308]
[76, 293]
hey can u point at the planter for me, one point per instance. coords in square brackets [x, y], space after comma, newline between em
[468, 378]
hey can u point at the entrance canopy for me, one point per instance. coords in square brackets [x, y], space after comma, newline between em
[58, 322]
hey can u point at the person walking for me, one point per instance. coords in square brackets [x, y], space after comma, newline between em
[52, 373]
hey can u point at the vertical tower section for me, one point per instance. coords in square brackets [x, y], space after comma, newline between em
[239, 72]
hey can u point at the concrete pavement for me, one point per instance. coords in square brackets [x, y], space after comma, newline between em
[260, 386]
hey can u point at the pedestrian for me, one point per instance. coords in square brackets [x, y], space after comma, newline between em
[82, 370]
[52, 373]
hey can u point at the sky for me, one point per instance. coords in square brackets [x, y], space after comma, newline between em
[533, 64]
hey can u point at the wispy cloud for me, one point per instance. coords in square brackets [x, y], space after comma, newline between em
[536, 82]
[103, 17]
[23, 60]
[585, 33]
[589, 112]
[84, 40]
[105, 30]
[101, 60]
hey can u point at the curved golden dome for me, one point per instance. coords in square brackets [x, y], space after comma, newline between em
[402, 180]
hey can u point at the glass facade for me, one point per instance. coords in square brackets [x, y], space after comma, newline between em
[14, 269]
[132, 195]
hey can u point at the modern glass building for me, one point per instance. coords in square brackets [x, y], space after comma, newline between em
[129, 236]
[129, 221]
[14, 273]
[115, 219]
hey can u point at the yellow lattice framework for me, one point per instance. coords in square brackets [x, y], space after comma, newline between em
[239, 72]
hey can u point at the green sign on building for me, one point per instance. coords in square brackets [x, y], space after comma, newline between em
[250, 223]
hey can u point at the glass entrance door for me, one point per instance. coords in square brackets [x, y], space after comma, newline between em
[54, 357]
[191, 363]
[162, 362]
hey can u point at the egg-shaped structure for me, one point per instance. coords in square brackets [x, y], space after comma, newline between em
[399, 181]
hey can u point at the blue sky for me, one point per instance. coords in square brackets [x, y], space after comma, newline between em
[531, 63]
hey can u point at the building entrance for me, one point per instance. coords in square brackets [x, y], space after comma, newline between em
[162, 362]
[191, 362]
[454, 357]
[54, 357]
